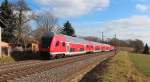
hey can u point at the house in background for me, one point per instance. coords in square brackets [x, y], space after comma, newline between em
[5, 49]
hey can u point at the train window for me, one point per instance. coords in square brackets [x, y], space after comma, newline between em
[72, 50]
[97, 48]
[57, 43]
[46, 41]
[87, 46]
[63, 44]
[81, 49]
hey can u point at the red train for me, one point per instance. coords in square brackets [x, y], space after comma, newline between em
[58, 45]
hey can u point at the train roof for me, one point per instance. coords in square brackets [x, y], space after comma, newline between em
[75, 39]
[80, 40]
[96, 43]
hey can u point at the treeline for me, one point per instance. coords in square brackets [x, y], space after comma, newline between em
[137, 45]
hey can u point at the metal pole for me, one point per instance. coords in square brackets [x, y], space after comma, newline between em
[115, 44]
[102, 37]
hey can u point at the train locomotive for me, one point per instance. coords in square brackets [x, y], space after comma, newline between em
[58, 45]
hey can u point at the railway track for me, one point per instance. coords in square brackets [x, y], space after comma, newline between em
[23, 69]
[3, 66]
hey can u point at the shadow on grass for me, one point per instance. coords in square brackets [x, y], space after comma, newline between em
[95, 74]
[28, 55]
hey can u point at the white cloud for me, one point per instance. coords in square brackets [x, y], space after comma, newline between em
[134, 27]
[71, 8]
[141, 7]
[133, 21]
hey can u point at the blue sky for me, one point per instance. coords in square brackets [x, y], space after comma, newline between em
[129, 19]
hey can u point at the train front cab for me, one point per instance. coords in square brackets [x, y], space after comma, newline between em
[52, 45]
[45, 44]
[58, 46]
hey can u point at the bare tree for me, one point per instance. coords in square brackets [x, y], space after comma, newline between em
[26, 36]
[23, 15]
[37, 34]
[46, 20]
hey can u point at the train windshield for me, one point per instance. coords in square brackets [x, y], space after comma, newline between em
[46, 41]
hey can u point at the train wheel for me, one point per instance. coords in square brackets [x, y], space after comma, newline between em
[44, 56]
[57, 56]
[60, 56]
[52, 57]
[63, 56]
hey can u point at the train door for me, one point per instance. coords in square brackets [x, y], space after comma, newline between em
[67, 48]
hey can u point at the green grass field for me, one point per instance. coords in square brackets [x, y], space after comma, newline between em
[142, 63]
[121, 69]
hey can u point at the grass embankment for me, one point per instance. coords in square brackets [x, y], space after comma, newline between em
[121, 69]
[142, 63]
[6, 59]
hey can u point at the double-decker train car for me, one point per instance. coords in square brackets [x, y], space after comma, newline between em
[58, 45]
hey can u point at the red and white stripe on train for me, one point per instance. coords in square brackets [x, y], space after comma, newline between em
[58, 44]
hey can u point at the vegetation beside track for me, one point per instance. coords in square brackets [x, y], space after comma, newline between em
[6, 59]
[117, 69]
[141, 62]
[121, 69]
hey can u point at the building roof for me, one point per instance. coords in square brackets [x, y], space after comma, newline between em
[4, 44]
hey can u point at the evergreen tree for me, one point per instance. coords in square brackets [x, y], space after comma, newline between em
[5, 13]
[7, 21]
[146, 49]
[6, 10]
[68, 29]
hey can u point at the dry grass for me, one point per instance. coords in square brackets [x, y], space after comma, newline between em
[121, 69]
[6, 59]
